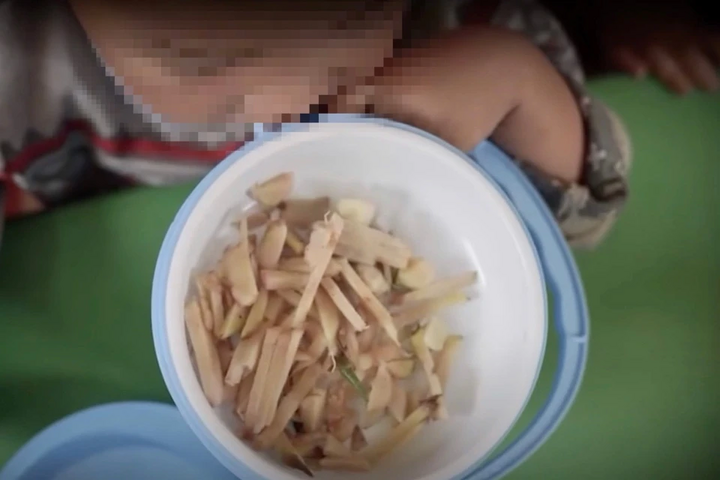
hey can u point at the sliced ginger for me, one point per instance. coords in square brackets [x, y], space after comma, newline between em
[299, 327]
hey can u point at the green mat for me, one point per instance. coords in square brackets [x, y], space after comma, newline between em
[75, 306]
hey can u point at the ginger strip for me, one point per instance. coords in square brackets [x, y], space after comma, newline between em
[256, 315]
[343, 304]
[206, 355]
[274, 191]
[400, 434]
[425, 309]
[239, 271]
[294, 242]
[385, 248]
[282, 361]
[244, 358]
[324, 243]
[289, 405]
[304, 212]
[381, 390]
[282, 280]
[376, 308]
[445, 358]
[329, 319]
[272, 243]
[274, 307]
[441, 288]
[290, 456]
[234, 321]
[254, 410]
[356, 210]
[299, 265]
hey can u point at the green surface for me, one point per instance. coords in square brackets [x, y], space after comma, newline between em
[75, 303]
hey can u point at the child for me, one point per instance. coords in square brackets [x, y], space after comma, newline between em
[100, 95]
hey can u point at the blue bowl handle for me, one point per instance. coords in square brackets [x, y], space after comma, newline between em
[570, 313]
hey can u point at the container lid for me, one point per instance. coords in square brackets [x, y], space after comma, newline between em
[118, 441]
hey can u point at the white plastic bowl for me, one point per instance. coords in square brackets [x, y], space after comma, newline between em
[449, 212]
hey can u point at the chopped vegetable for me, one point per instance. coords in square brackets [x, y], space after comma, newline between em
[445, 358]
[294, 243]
[282, 280]
[422, 310]
[306, 443]
[343, 304]
[206, 313]
[234, 321]
[318, 354]
[295, 264]
[257, 219]
[401, 367]
[256, 315]
[370, 300]
[213, 289]
[274, 191]
[322, 243]
[282, 361]
[243, 395]
[350, 343]
[441, 288]
[272, 243]
[304, 212]
[334, 448]
[343, 429]
[312, 410]
[400, 434]
[417, 274]
[299, 265]
[356, 210]
[423, 353]
[374, 279]
[253, 416]
[289, 405]
[206, 355]
[398, 402]
[244, 358]
[290, 456]
[274, 307]
[239, 271]
[435, 334]
[329, 319]
[381, 389]
[371, 246]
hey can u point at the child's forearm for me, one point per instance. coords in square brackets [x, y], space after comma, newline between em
[482, 82]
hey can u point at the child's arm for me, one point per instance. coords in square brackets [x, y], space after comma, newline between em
[487, 82]
[483, 82]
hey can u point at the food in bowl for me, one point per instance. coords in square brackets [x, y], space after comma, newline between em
[322, 331]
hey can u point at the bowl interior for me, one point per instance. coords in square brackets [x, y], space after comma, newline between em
[448, 212]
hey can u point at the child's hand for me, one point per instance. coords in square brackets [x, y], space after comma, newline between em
[670, 44]
[485, 82]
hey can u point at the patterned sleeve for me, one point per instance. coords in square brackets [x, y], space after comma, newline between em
[587, 210]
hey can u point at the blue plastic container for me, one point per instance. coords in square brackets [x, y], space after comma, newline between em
[146, 440]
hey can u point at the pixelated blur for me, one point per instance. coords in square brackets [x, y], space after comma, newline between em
[155, 92]
[233, 62]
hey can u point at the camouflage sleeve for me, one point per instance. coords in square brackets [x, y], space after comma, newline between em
[586, 210]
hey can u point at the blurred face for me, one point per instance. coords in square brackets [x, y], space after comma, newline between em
[227, 61]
